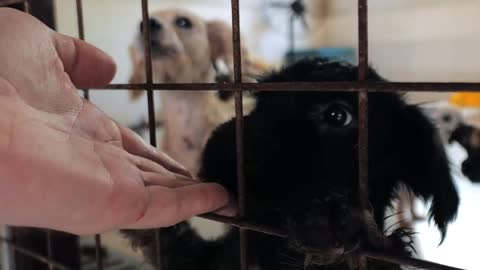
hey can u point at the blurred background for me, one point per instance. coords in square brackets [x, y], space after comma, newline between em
[409, 40]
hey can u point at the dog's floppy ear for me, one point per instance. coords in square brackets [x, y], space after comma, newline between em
[138, 72]
[423, 164]
[220, 41]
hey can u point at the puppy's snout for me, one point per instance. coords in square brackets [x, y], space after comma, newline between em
[155, 26]
[327, 226]
[312, 233]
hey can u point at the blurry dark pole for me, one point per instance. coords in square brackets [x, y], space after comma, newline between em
[44, 10]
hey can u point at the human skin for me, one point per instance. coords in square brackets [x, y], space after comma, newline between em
[66, 165]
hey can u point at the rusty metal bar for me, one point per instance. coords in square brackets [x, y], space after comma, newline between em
[86, 95]
[238, 109]
[363, 112]
[149, 71]
[362, 40]
[407, 261]
[308, 86]
[10, 2]
[34, 255]
[244, 224]
[49, 249]
[98, 252]
[363, 102]
[26, 6]
[7, 260]
[411, 262]
[81, 35]
[237, 71]
[151, 108]
[291, 39]
[80, 23]
[147, 42]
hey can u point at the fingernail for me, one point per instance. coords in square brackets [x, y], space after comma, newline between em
[230, 210]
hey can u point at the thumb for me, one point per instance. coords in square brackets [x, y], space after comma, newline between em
[87, 66]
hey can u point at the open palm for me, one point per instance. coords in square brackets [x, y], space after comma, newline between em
[66, 165]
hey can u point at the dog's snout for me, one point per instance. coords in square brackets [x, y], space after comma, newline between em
[155, 26]
[329, 224]
[313, 233]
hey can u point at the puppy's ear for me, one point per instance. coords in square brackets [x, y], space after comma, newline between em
[138, 72]
[220, 41]
[423, 164]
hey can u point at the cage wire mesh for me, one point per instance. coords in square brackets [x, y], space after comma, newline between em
[362, 87]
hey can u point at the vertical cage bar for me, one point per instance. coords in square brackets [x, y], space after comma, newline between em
[291, 38]
[8, 256]
[49, 249]
[237, 70]
[98, 252]
[26, 6]
[149, 72]
[86, 95]
[363, 112]
[237, 53]
[80, 23]
[32, 254]
[363, 100]
[151, 110]
[81, 35]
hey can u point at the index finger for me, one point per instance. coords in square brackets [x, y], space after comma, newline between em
[168, 207]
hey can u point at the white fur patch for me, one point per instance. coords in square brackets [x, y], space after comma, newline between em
[208, 230]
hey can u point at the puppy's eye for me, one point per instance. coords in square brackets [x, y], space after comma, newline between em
[337, 115]
[183, 22]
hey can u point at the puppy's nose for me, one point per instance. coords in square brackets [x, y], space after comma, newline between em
[328, 224]
[155, 26]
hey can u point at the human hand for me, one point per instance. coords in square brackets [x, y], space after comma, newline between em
[64, 164]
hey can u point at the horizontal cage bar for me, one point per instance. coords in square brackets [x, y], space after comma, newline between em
[308, 86]
[11, 2]
[406, 261]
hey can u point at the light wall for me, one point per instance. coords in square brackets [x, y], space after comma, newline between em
[410, 40]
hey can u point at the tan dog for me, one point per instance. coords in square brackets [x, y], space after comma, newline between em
[184, 48]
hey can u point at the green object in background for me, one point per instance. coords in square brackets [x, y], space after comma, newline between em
[345, 54]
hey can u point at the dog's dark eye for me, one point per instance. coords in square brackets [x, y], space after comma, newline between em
[337, 115]
[183, 22]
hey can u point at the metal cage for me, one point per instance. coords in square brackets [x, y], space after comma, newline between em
[362, 87]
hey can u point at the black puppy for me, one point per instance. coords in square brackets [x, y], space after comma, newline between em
[301, 171]
[469, 137]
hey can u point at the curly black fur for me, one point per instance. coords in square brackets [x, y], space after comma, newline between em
[301, 168]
